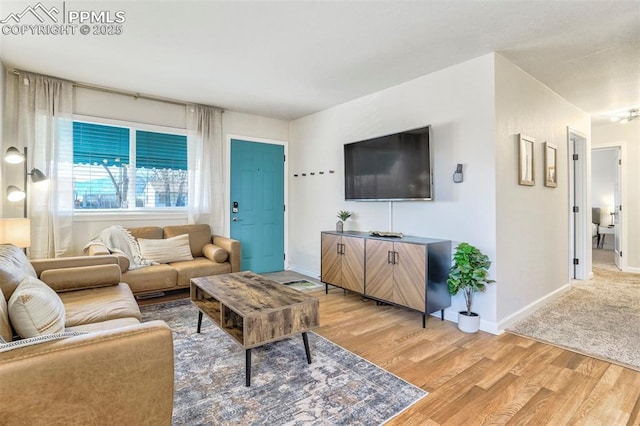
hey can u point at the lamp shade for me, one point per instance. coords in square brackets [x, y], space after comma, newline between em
[16, 232]
[13, 155]
[37, 176]
[15, 194]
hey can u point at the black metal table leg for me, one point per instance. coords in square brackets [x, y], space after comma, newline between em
[248, 367]
[441, 314]
[326, 288]
[424, 320]
[199, 320]
[305, 339]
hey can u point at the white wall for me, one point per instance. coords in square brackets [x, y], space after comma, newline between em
[476, 108]
[458, 103]
[604, 174]
[96, 103]
[532, 221]
[628, 137]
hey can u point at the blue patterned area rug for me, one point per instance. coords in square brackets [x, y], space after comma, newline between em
[337, 388]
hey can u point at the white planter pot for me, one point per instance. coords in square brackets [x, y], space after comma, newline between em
[468, 323]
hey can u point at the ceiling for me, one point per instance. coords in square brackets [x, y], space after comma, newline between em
[287, 59]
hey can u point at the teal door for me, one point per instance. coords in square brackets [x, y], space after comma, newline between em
[257, 204]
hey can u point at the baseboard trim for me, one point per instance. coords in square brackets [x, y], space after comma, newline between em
[631, 270]
[452, 315]
[304, 271]
[505, 323]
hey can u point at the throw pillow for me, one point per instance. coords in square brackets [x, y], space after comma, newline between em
[35, 309]
[167, 250]
[215, 253]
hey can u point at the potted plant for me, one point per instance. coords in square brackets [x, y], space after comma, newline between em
[343, 215]
[469, 274]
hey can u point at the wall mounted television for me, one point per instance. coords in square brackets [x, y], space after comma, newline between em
[394, 167]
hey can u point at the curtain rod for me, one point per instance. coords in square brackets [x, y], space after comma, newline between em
[120, 92]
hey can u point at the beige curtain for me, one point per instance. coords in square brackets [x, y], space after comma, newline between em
[205, 162]
[38, 115]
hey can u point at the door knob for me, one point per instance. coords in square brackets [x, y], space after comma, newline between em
[235, 219]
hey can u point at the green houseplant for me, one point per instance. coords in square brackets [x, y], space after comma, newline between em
[343, 215]
[468, 274]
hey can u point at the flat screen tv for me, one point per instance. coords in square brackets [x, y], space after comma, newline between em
[395, 167]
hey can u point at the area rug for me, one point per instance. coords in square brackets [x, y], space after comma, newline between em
[337, 388]
[303, 285]
[598, 318]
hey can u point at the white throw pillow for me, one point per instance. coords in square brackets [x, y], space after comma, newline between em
[167, 250]
[35, 309]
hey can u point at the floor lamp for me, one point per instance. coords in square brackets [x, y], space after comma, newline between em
[14, 156]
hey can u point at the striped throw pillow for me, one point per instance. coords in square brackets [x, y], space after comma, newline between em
[174, 249]
[35, 309]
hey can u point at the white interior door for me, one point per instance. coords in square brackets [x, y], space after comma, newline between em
[580, 226]
[618, 213]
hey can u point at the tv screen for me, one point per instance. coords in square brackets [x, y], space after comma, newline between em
[395, 167]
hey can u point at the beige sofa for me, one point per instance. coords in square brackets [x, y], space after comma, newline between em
[212, 255]
[119, 372]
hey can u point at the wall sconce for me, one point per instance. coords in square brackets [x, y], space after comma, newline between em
[458, 176]
[14, 194]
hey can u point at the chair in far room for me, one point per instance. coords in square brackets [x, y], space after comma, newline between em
[595, 225]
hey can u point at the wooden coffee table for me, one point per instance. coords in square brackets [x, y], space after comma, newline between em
[254, 310]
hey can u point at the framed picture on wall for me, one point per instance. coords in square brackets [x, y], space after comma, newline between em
[526, 175]
[550, 165]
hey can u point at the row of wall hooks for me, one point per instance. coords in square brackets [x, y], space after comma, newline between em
[311, 173]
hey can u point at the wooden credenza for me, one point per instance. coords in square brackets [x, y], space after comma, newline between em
[343, 261]
[409, 271]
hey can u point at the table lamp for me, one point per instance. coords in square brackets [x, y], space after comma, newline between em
[16, 232]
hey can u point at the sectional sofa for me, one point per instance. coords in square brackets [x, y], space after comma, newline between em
[211, 255]
[82, 355]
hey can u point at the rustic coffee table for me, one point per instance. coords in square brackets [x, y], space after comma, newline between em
[254, 310]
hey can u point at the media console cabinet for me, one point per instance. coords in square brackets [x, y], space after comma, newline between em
[409, 271]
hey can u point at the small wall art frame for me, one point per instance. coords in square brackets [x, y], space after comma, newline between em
[550, 165]
[526, 163]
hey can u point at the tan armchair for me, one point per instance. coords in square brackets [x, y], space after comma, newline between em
[119, 372]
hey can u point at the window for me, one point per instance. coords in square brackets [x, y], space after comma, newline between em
[117, 167]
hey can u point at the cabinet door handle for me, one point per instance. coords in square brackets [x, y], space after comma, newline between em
[389, 257]
[338, 248]
[396, 257]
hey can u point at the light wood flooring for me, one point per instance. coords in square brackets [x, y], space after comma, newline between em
[475, 379]
[480, 378]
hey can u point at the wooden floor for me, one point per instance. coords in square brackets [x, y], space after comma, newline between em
[475, 379]
[480, 378]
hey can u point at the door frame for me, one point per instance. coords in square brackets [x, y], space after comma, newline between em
[227, 200]
[622, 188]
[579, 224]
